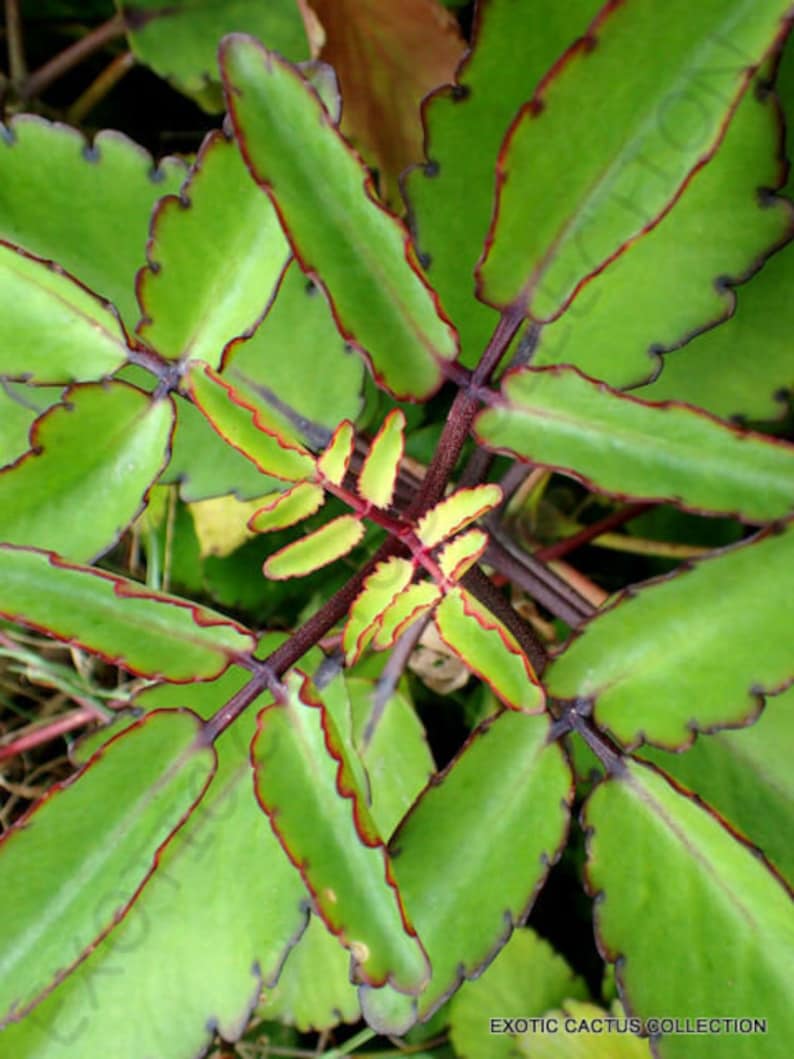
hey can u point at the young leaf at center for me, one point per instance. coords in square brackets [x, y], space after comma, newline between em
[486, 647]
[379, 473]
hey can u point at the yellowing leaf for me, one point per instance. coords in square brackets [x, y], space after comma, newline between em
[411, 604]
[387, 56]
[461, 553]
[221, 523]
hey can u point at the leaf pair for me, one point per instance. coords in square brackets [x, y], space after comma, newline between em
[375, 901]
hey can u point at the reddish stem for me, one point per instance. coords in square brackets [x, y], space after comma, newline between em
[589, 533]
[45, 733]
[461, 415]
[267, 674]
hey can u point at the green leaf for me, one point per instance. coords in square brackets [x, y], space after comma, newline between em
[298, 339]
[488, 649]
[617, 160]
[404, 610]
[245, 427]
[490, 828]
[461, 553]
[325, 545]
[80, 858]
[179, 39]
[149, 633]
[746, 776]
[526, 979]
[293, 505]
[455, 512]
[51, 328]
[718, 230]
[679, 891]
[451, 198]
[627, 447]
[20, 406]
[385, 582]
[379, 473]
[720, 371]
[335, 225]
[396, 755]
[313, 991]
[85, 206]
[688, 652]
[83, 482]
[221, 859]
[215, 257]
[583, 1032]
[334, 462]
[204, 466]
[305, 785]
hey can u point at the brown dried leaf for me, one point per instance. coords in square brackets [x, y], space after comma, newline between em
[387, 57]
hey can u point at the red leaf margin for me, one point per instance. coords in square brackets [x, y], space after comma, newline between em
[346, 788]
[494, 400]
[535, 107]
[370, 193]
[125, 589]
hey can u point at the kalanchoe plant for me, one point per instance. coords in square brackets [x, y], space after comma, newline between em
[262, 828]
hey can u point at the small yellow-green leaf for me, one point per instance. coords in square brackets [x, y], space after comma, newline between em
[488, 649]
[379, 473]
[411, 604]
[52, 329]
[385, 582]
[456, 511]
[221, 523]
[287, 508]
[333, 463]
[245, 427]
[584, 1031]
[461, 553]
[330, 542]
